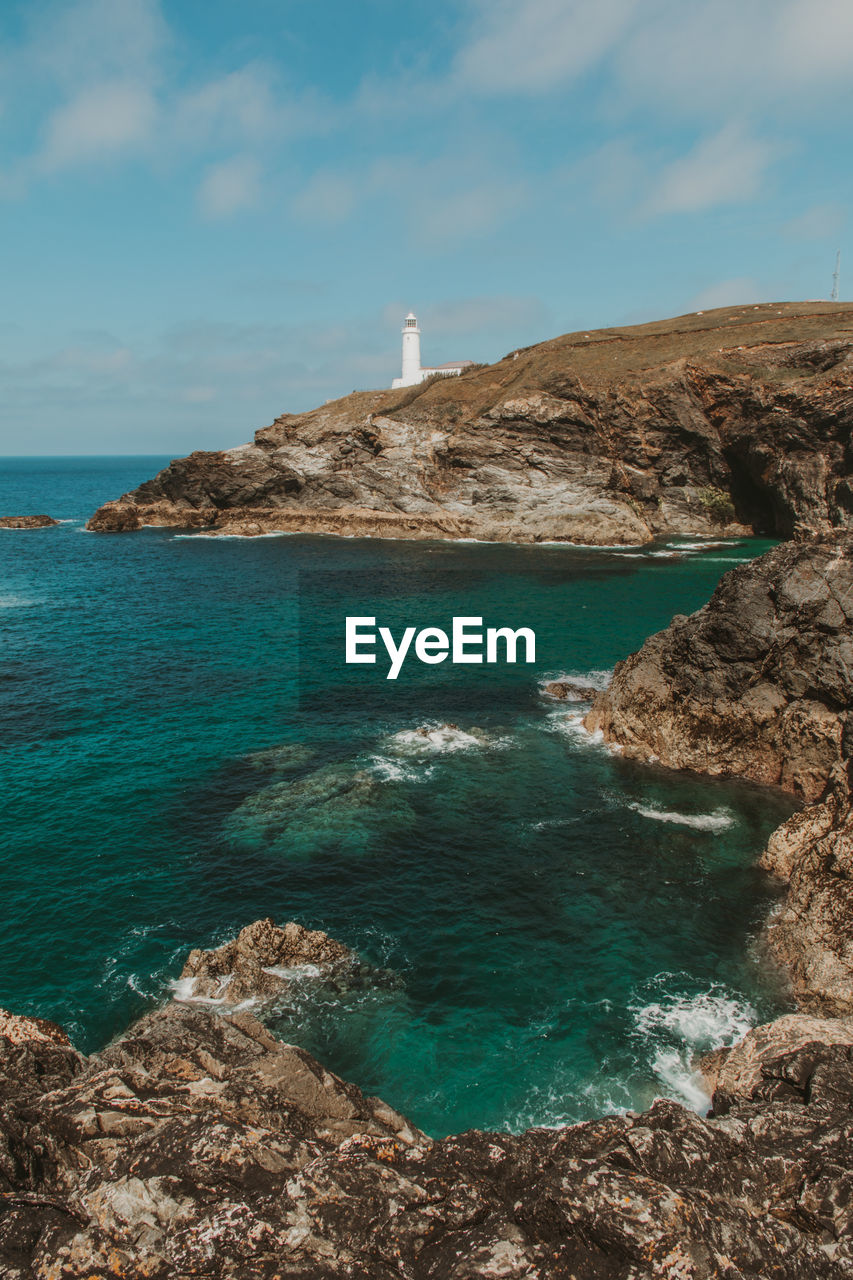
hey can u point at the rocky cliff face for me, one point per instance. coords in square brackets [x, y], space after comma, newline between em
[734, 419]
[759, 683]
[198, 1145]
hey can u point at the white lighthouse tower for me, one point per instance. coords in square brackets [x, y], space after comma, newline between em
[412, 373]
[411, 352]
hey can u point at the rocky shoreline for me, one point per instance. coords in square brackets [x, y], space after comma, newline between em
[759, 684]
[199, 1145]
[726, 422]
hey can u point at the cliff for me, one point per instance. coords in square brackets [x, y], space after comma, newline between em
[719, 422]
[759, 683]
[198, 1145]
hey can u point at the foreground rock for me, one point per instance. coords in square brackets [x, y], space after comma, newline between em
[197, 1144]
[757, 684]
[732, 420]
[26, 522]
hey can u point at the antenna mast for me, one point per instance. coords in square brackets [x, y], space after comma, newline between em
[833, 297]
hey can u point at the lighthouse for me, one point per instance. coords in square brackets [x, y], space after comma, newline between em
[412, 373]
[411, 351]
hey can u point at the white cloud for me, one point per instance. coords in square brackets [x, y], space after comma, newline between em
[820, 222]
[729, 293]
[328, 197]
[703, 55]
[228, 187]
[90, 41]
[727, 168]
[532, 45]
[239, 105]
[98, 122]
[444, 218]
[725, 55]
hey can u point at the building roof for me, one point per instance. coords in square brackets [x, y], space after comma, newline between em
[452, 364]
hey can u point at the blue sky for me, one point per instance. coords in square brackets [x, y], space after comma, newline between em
[214, 212]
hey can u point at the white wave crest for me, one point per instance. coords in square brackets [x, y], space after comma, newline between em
[11, 601]
[719, 820]
[390, 770]
[678, 1027]
[701, 546]
[598, 678]
[571, 725]
[702, 1021]
[441, 738]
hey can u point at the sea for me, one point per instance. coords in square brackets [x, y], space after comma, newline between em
[552, 931]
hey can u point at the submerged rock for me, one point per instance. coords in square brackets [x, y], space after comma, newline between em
[335, 806]
[27, 522]
[201, 1145]
[285, 758]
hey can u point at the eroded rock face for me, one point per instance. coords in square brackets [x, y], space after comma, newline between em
[812, 933]
[27, 522]
[197, 1144]
[733, 420]
[757, 683]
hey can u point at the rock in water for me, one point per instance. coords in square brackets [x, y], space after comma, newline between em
[757, 684]
[26, 522]
[260, 962]
[734, 420]
[569, 691]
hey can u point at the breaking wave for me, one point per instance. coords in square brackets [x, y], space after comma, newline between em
[675, 1027]
[719, 820]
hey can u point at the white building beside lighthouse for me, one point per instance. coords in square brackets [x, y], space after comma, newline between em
[412, 372]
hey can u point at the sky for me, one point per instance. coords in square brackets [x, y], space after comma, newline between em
[213, 213]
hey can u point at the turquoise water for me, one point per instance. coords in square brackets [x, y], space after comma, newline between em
[184, 751]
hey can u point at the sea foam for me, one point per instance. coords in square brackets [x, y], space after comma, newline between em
[677, 1027]
[719, 820]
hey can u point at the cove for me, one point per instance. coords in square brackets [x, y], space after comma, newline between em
[565, 928]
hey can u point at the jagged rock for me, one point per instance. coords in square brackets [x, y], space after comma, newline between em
[260, 962]
[757, 683]
[734, 420]
[743, 1068]
[812, 933]
[569, 691]
[21, 1030]
[199, 1145]
[26, 522]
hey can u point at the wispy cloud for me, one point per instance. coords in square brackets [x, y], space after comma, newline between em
[727, 168]
[97, 123]
[230, 187]
[729, 293]
[535, 45]
[819, 222]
